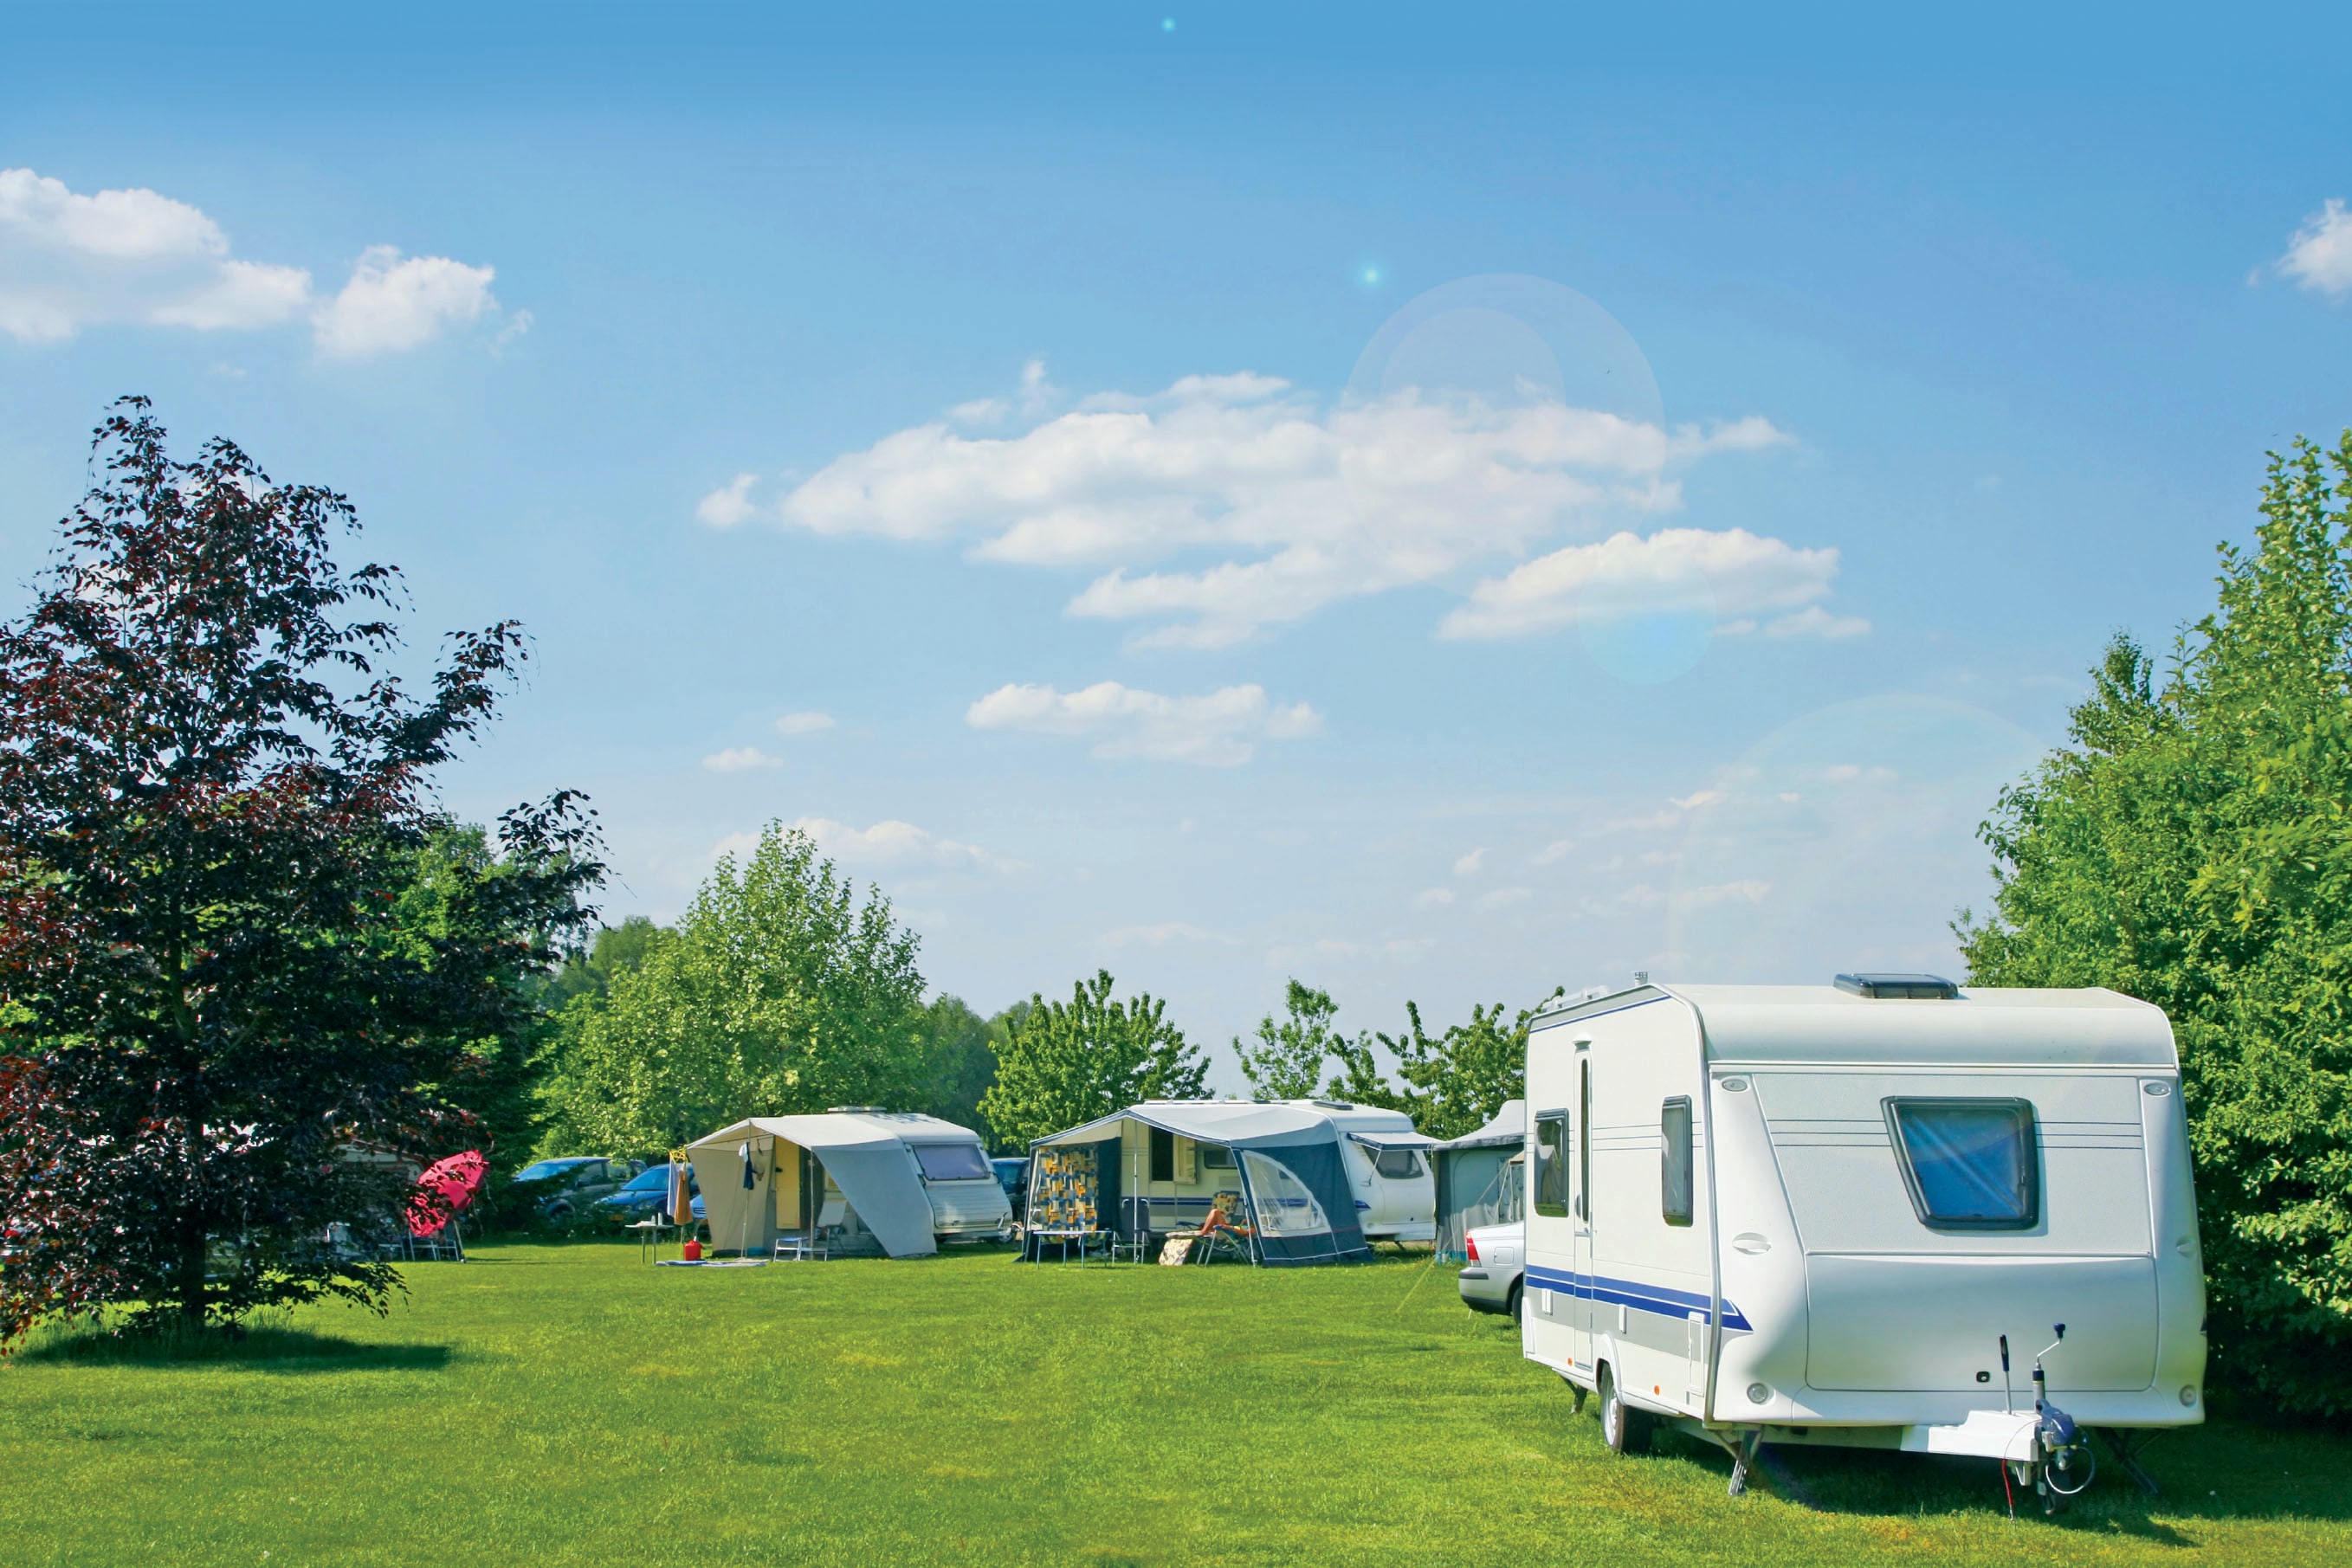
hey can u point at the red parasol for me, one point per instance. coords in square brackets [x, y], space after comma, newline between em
[443, 1191]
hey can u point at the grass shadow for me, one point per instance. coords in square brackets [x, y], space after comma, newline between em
[2227, 1469]
[271, 1347]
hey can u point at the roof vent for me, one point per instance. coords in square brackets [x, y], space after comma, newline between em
[1900, 987]
[855, 1110]
[1334, 1104]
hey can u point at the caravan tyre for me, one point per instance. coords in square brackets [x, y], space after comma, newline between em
[1512, 1306]
[1625, 1429]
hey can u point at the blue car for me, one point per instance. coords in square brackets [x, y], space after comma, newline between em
[646, 1195]
[1012, 1175]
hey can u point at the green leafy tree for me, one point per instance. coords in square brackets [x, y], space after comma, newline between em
[1287, 1061]
[1453, 1083]
[463, 890]
[958, 1066]
[589, 971]
[2193, 846]
[779, 992]
[1063, 1063]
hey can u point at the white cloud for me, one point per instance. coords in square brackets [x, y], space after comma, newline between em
[1504, 897]
[69, 260]
[730, 505]
[1161, 935]
[1468, 864]
[1813, 620]
[1697, 799]
[2319, 256]
[1434, 898]
[1745, 892]
[1036, 393]
[889, 844]
[1554, 851]
[1724, 574]
[806, 723]
[1304, 505]
[739, 759]
[1220, 729]
[135, 256]
[391, 303]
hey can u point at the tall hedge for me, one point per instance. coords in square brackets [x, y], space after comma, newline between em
[2193, 847]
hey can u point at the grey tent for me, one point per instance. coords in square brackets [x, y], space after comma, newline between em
[1168, 1156]
[848, 1173]
[1476, 1182]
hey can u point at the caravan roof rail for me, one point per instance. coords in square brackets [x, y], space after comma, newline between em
[1900, 987]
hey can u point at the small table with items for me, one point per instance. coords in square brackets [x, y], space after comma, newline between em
[650, 1233]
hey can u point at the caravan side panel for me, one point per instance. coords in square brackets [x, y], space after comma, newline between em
[1613, 1283]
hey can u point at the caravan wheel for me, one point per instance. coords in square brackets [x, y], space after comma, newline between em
[1625, 1430]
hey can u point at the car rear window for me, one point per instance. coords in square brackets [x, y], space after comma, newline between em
[1969, 1164]
[953, 1162]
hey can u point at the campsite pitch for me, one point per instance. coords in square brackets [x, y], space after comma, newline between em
[551, 1406]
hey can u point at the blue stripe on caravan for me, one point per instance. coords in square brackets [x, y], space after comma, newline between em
[1662, 1299]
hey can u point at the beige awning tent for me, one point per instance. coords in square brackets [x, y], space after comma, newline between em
[773, 1175]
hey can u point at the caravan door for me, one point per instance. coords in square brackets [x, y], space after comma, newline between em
[1581, 1309]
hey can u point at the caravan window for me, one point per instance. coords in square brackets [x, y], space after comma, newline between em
[1396, 1164]
[1969, 1164]
[953, 1162]
[1216, 1156]
[1674, 1160]
[1551, 1162]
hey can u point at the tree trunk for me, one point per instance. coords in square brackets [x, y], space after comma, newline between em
[191, 1275]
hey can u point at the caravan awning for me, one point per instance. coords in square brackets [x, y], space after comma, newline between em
[1509, 1127]
[1397, 1140]
[1236, 1124]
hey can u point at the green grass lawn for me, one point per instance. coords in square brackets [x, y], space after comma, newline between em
[566, 1405]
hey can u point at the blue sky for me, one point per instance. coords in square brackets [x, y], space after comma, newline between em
[1438, 508]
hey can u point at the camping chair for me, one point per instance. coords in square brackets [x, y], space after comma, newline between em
[800, 1246]
[1219, 1234]
[436, 1244]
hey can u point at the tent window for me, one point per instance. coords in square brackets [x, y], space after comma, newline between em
[953, 1162]
[1216, 1156]
[1551, 1163]
[1163, 1155]
[1284, 1204]
[1969, 1164]
[1396, 1164]
[1675, 1184]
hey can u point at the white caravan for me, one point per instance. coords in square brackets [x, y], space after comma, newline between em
[1832, 1213]
[1388, 1165]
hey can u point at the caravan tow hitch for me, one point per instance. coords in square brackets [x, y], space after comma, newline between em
[2066, 1462]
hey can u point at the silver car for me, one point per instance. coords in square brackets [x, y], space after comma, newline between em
[1490, 1280]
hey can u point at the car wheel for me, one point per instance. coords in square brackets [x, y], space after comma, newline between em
[1512, 1305]
[557, 1213]
[1625, 1429]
